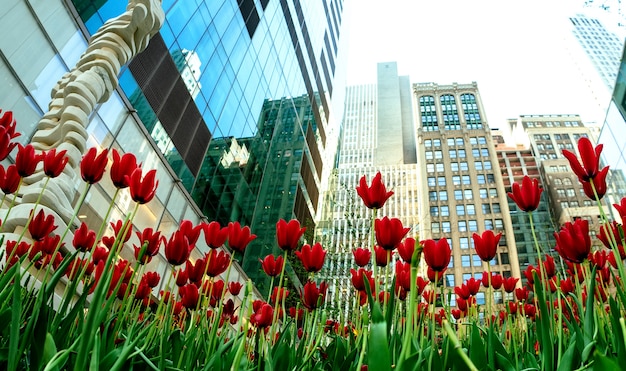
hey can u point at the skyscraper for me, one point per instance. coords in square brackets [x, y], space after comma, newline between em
[207, 102]
[377, 135]
[462, 191]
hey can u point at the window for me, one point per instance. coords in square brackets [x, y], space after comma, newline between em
[486, 208]
[462, 153]
[475, 152]
[450, 283]
[465, 261]
[476, 261]
[498, 223]
[473, 225]
[445, 227]
[434, 227]
[450, 142]
[452, 153]
[428, 143]
[478, 165]
[484, 152]
[482, 140]
[491, 179]
[438, 155]
[443, 196]
[462, 226]
[570, 192]
[488, 224]
[464, 243]
[437, 142]
[480, 179]
[471, 209]
[487, 165]
[460, 210]
[493, 192]
[456, 180]
[459, 141]
[445, 211]
[432, 196]
[431, 181]
[468, 194]
[466, 179]
[458, 194]
[434, 211]
[463, 166]
[441, 181]
[454, 166]
[482, 193]
[473, 141]
[496, 208]
[429, 155]
[440, 167]
[430, 168]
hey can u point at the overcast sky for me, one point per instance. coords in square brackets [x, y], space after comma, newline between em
[514, 50]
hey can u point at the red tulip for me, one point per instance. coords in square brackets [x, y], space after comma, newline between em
[177, 249]
[54, 163]
[358, 277]
[84, 238]
[142, 190]
[182, 277]
[123, 166]
[15, 253]
[403, 275]
[383, 257]
[234, 288]
[214, 235]
[120, 227]
[239, 238]
[573, 242]
[590, 157]
[599, 182]
[8, 123]
[361, 256]
[435, 277]
[496, 280]
[152, 241]
[527, 195]
[9, 179]
[6, 143]
[313, 296]
[278, 295]
[312, 258]
[437, 254]
[621, 209]
[509, 284]
[41, 226]
[549, 266]
[263, 316]
[26, 160]
[99, 254]
[389, 232]
[486, 245]
[92, 165]
[406, 249]
[373, 197]
[217, 262]
[189, 296]
[611, 234]
[151, 279]
[462, 291]
[190, 231]
[521, 293]
[272, 267]
[473, 285]
[288, 234]
[567, 286]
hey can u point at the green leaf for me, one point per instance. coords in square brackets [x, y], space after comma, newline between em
[477, 350]
[14, 337]
[544, 326]
[569, 360]
[95, 353]
[604, 363]
[589, 323]
[49, 349]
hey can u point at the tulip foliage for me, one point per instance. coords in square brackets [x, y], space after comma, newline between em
[83, 298]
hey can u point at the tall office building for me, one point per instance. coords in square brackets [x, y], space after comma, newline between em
[547, 136]
[515, 163]
[462, 188]
[596, 51]
[377, 135]
[225, 94]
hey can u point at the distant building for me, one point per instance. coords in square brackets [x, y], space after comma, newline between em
[462, 189]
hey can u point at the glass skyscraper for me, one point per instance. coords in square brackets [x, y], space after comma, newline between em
[237, 97]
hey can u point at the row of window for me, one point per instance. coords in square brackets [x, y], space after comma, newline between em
[466, 226]
[455, 141]
[459, 166]
[464, 194]
[469, 209]
[551, 124]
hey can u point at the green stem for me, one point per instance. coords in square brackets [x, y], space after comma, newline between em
[457, 346]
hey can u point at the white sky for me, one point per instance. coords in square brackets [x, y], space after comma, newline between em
[514, 50]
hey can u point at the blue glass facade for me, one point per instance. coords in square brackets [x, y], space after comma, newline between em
[237, 96]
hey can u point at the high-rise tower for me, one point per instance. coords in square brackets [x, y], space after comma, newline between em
[462, 191]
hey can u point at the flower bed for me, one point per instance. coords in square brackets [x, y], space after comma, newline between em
[84, 306]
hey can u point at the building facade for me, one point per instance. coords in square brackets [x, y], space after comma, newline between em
[212, 103]
[462, 190]
[377, 135]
